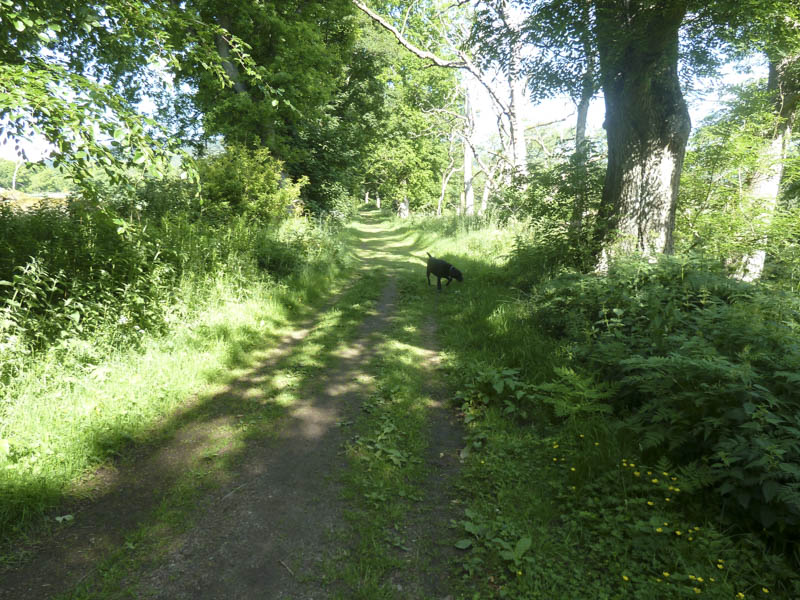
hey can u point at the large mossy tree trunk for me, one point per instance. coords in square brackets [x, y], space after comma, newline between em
[647, 124]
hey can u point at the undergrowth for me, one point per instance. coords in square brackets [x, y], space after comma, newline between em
[632, 434]
[114, 310]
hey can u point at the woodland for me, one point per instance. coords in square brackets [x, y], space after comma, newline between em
[628, 333]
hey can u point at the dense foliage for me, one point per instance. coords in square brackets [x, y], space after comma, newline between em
[110, 269]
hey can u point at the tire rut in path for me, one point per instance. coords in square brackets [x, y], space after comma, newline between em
[123, 495]
[426, 527]
[265, 536]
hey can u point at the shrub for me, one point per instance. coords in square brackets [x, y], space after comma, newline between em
[705, 371]
[248, 182]
[295, 244]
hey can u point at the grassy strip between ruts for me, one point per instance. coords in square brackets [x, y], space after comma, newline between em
[384, 551]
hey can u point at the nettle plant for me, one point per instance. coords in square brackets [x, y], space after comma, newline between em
[704, 370]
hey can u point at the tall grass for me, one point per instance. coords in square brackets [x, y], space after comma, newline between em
[111, 317]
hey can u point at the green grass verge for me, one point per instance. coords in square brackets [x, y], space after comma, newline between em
[559, 507]
[74, 410]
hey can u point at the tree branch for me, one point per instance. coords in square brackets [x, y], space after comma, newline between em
[464, 61]
[424, 54]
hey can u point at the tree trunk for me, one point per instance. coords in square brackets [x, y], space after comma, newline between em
[581, 152]
[647, 125]
[519, 146]
[445, 180]
[513, 19]
[403, 209]
[469, 192]
[14, 177]
[224, 52]
[766, 186]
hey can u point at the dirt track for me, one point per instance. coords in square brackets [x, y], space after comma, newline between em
[267, 528]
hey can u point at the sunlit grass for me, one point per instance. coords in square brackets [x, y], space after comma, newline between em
[71, 409]
[553, 507]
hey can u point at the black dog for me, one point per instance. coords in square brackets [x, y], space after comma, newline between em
[442, 269]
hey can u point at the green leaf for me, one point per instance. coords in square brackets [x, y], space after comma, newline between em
[523, 545]
[19, 26]
[770, 489]
[463, 544]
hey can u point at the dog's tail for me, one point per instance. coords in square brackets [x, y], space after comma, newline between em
[429, 254]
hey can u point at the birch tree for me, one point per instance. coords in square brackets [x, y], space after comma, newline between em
[453, 35]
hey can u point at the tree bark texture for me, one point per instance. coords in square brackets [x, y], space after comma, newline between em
[647, 124]
[224, 52]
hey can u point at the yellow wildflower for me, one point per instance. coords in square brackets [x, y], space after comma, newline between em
[665, 573]
[659, 530]
[697, 590]
[572, 468]
[650, 503]
[740, 595]
[637, 473]
[654, 480]
[765, 590]
[625, 577]
[678, 532]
